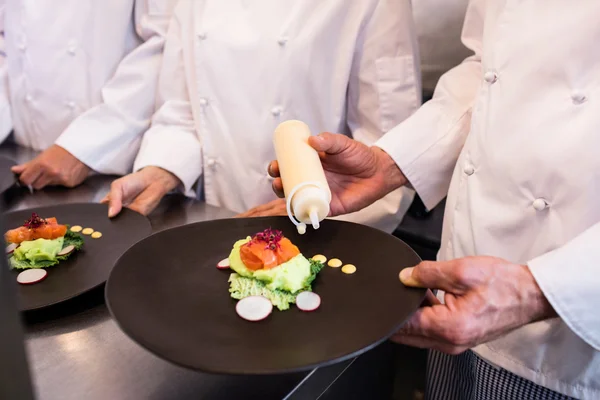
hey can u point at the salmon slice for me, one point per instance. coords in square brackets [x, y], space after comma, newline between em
[36, 228]
[258, 254]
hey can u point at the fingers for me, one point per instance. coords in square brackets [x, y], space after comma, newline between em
[430, 299]
[18, 169]
[330, 143]
[444, 275]
[278, 187]
[114, 199]
[43, 180]
[147, 201]
[273, 169]
[30, 172]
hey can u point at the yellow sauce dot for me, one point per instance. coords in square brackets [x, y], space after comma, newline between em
[348, 269]
[87, 231]
[320, 258]
[76, 228]
[97, 235]
[335, 263]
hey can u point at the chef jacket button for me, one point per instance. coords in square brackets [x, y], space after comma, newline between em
[578, 98]
[283, 40]
[28, 98]
[203, 102]
[211, 162]
[276, 111]
[540, 204]
[469, 170]
[72, 50]
[490, 77]
[71, 105]
[22, 46]
[202, 35]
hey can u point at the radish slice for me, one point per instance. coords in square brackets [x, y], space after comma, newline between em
[223, 264]
[66, 250]
[30, 276]
[308, 301]
[11, 247]
[254, 308]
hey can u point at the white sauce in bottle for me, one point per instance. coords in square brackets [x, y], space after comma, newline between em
[304, 184]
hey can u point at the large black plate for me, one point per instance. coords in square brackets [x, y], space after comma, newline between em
[167, 294]
[89, 267]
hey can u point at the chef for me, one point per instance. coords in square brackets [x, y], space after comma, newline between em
[78, 82]
[235, 71]
[512, 138]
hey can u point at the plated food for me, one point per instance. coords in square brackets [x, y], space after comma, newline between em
[270, 271]
[155, 295]
[40, 243]
[268, 267]
[51, 273]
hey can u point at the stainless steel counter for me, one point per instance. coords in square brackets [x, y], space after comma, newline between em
[76, 351]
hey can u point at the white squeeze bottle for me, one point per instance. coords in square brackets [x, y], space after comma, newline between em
[304, 184]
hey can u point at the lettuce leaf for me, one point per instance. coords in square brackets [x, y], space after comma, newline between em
[240, 287]
[70, 239]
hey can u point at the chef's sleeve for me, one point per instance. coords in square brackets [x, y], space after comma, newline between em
[107, 136]
[426, 146]
[569, 277]
[6, 124]
[383, 90]
[172, 143]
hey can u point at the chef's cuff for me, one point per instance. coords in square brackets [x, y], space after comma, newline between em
[569, 279]
[180, 156]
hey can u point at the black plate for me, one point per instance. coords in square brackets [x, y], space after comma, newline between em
[167, 294]
[7, 177]
[89, 267]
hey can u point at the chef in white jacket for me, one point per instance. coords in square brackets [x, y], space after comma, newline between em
[78, 82]
[234, 70]
[512, 137]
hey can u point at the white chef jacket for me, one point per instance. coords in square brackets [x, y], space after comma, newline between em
[513, 137]
[234, 70]
[439, 24]
[83, 74]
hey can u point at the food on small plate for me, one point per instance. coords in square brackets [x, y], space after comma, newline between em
[308, 301]
[40, 243]
[269, 265]
[223, 264]
[320, 258]
[31, 276]
[11, 247]
[76, 228]
[335, 263]
[96, 235]
[349, 269]
[254, 308]
[87, 231]
[36, 228]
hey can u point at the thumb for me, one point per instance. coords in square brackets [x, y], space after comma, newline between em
[115, 199]
[330, 143]
[442, 275]
[18, 169]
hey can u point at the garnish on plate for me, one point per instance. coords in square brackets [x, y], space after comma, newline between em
[40, 243]
[269, 265]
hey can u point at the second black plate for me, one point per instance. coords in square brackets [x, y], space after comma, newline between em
[89, 267]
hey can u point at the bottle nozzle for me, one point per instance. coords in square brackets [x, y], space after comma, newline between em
[314, 217]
